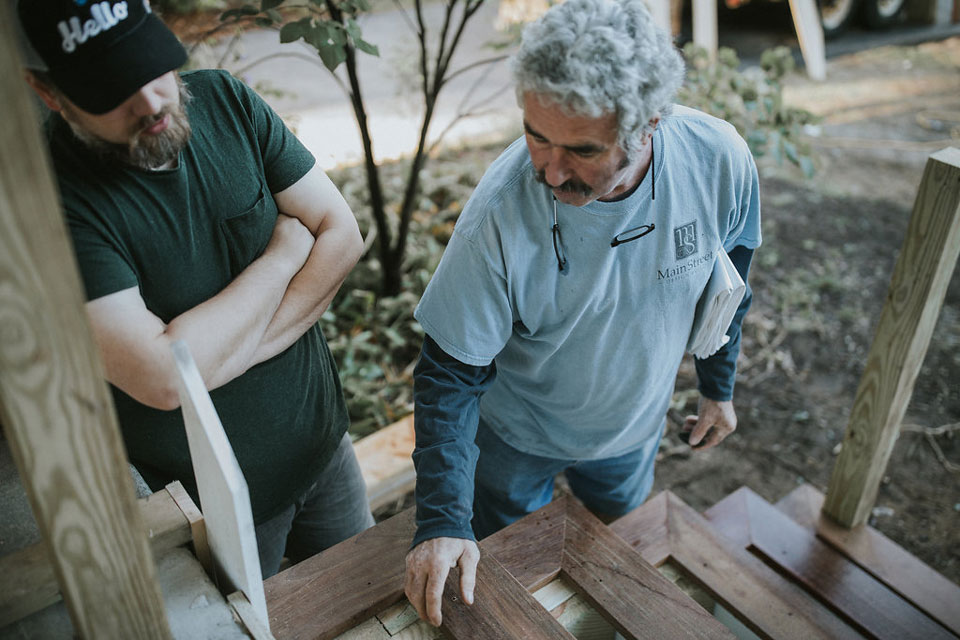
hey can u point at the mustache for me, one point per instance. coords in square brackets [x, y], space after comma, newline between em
[570, 186]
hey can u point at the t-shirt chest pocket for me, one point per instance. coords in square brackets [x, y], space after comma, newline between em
[246, 234]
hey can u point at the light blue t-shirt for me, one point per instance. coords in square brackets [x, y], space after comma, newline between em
[586, 358]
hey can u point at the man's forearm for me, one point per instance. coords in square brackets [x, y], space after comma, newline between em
[310, 292]
[446, 403]
[224, 332]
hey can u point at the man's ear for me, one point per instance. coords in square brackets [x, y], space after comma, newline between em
[49, 97]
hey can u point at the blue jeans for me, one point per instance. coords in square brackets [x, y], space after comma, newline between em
[333, 509]
[509, 484]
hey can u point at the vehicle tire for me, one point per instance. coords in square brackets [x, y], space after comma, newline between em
[836, 15]
[882, 13]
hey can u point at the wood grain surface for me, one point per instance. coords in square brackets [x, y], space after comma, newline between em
[635, 598]
[331, 592]
[877, 554]
[859, 598]
[919, 284]
[757, 595]
[502, 608]
[54, 403]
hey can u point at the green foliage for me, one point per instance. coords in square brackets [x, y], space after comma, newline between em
[751, 100]
[375, 339]
[328, 27]
[177, 7]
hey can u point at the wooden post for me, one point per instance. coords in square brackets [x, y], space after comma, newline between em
[916, 294]
[54, 403]
[660, 12]
[705, 26]
[806, 19]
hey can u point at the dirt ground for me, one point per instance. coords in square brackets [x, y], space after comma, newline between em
[820, 280]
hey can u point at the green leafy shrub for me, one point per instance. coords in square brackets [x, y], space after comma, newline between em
[751, 100]
[178, 7]
[374, 338]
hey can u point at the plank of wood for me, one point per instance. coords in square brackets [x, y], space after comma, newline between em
[759, 597]
[55, 407]
[166, 524]
[345, 585]
[864, 602]
[249, 617]
[583, 621]
[27, 581]
[637, 599]
[917, 290]
[386, 463]
[531, 549]
[502, 608]
[806, 20]
[877, 554]
[224, 496]
[646, 529]
[198, 527]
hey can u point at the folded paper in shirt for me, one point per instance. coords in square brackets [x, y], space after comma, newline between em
[716, 308]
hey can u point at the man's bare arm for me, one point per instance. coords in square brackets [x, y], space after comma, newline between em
[223, 332]
[316, 202]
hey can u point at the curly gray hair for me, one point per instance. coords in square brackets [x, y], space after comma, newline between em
[595, 57]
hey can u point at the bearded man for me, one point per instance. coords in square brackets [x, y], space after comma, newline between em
[196, 215]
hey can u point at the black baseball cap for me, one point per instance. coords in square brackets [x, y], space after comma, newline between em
[100, 52]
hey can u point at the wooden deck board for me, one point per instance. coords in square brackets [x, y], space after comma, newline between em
[638, 600]
[338, 589]
[858, 597]
[742, 583]
[502, 608]
[880, 556]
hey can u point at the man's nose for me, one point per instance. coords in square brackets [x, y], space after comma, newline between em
[147, 101]
[557, 170]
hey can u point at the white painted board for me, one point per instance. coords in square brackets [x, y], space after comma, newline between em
[224, 497]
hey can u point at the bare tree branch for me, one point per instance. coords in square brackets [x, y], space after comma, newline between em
[474, 65]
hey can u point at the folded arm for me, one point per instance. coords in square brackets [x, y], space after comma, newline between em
[315, 202]
[223, 332]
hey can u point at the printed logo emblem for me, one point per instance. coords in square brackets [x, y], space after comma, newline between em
[685, 239]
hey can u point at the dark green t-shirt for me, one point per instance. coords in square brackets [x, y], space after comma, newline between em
[181, 236]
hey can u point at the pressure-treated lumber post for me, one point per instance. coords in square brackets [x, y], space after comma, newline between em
[909, 315]
[54, 403]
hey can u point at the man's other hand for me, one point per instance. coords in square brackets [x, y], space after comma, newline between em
[427, 567]
[715, 420]
[291, 241]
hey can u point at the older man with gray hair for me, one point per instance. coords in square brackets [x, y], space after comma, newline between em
[562, 307]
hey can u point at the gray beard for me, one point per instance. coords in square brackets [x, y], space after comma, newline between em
[144, 152]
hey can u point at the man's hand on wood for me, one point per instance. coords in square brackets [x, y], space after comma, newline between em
[427, 567]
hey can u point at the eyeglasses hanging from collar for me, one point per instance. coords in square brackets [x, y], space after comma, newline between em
[638, 232]
[621, 238]
[557, 242]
